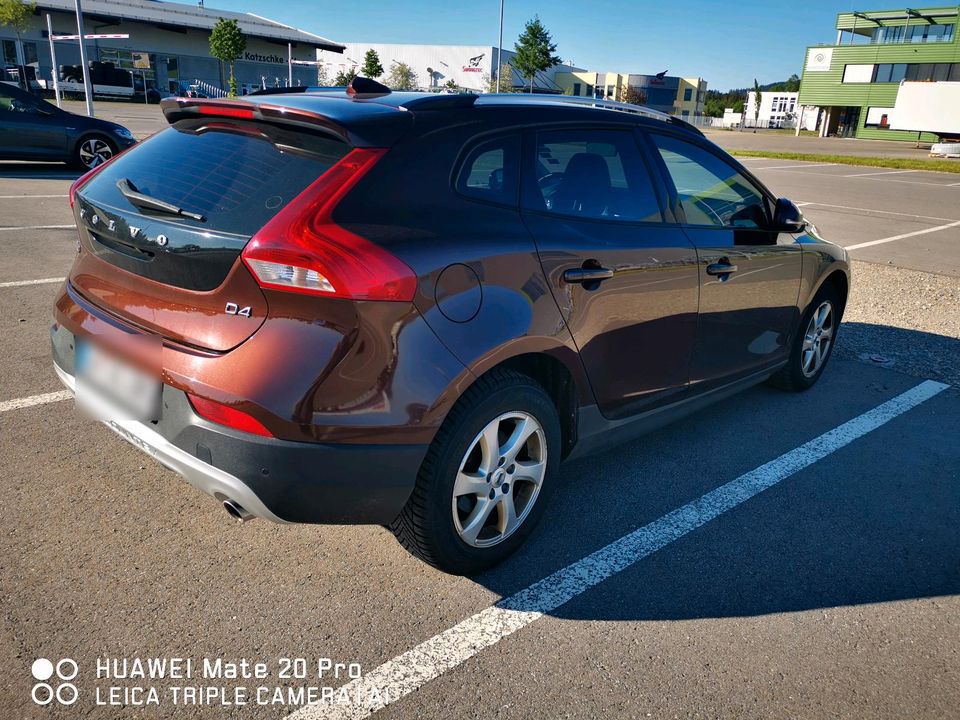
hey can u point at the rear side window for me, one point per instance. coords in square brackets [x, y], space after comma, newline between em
[491, 171]
[594, 174]
[238, 175]
[712, 192]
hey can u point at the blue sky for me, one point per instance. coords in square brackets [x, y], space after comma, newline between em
[727, 43]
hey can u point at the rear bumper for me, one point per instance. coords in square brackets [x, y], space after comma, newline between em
[280, 480]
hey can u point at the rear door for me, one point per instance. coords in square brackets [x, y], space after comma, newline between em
[749, 273]
[181, 277]
[624, 278]
[30, 128]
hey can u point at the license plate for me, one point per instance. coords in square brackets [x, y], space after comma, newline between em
[113, 389]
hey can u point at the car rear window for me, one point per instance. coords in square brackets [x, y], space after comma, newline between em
[236, 174]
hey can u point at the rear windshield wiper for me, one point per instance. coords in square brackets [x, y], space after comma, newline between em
[145, 202]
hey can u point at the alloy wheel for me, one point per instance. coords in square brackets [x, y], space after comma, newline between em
[817, 340]
[499, 479]
[94, 152]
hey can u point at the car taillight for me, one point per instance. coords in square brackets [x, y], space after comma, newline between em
[226, 415]
[302, 250]
[87, 176]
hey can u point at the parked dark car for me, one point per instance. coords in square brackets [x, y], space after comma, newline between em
[33, 129]
[408, 309]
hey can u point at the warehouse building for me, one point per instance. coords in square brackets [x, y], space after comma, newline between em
[468, 67]
[169, 43]
[857, 80]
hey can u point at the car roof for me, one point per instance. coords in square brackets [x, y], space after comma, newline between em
[417, 101]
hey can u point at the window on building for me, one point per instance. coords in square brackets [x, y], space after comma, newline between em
[610, 89]
[889, 35]
[878, 117]
[887, 72]
[593, 174]
[685, 113]
[589, 92]
[491, 171]
[576, 89]
[955, 72]
[688, 95]
[9, 52]
[857, 73]
[929, 33]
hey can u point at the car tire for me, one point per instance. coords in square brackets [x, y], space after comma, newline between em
[92, 151]
[808, 356]
[443, 523]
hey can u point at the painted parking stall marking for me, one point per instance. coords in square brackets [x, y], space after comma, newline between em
[24, 283]
[429, 660]
[925, 231]
[38, 227]
[25, 402]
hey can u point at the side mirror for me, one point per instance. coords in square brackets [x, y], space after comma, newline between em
[787, 217]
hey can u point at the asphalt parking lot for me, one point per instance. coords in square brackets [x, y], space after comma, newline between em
[774, 556]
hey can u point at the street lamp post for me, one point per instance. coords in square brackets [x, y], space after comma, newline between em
[87, 86]
[500, 48]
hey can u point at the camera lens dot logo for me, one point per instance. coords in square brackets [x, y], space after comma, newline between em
[65, 692]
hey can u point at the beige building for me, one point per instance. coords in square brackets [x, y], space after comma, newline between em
[683, 97]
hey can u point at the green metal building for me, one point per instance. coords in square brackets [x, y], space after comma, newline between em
[856, 81]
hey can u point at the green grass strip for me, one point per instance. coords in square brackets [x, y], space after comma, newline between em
[938, 165]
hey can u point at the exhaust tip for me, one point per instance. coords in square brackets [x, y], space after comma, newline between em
[237, 511]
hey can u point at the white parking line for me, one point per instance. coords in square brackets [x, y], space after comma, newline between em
[791, 167]
[25, 402]
[406, 673]
[905, 235]
[22, 283]
[886, 172]
[24, 197]
[39, 227]
[871, 210]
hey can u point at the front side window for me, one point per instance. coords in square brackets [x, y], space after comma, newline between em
[491, 171]
[711, 192]
[593, 174]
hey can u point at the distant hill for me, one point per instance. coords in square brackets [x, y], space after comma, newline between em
[717, 101]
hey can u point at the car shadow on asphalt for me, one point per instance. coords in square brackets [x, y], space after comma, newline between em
[874, 522]
[13, 170]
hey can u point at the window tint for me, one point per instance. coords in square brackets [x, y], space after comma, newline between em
[711, 191]
[237, 174]
[594, 174]
[15, 100]
[491, 171]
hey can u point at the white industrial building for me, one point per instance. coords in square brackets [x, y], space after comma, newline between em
[470, 67]
[777, 110]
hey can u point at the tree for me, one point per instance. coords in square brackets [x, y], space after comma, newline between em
[535, 50]
[345, 77]
[402, 77]
[451, 84]
[227, 43]
[756, 108]
[793, 84]
[506, 84]
[634, 96]
[323, 77]
[16, 14]
[371, 65]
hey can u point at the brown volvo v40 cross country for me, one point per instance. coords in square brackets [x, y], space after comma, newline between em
[409, 309]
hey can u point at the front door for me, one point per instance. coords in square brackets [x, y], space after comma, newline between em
[749, 273]
[624, 279]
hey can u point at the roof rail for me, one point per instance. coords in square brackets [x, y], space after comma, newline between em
[441, 101]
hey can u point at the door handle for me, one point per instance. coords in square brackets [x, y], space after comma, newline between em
[587, 275]
[721, 268]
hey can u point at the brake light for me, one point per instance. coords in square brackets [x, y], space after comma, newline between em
[302, 250]
[222, 110]
[87, 176]
[229, 416]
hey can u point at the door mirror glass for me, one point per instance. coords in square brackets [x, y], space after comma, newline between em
[787, 217]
